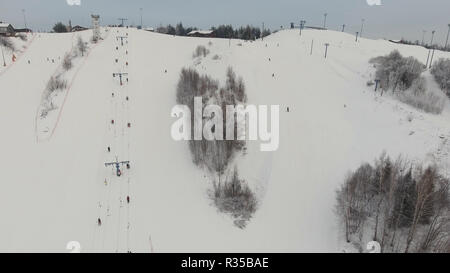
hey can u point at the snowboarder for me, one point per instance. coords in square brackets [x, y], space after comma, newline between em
[112, 121]
[129, 125]
[126, 98]
[127, 63]
[99, 222]
[127, 79]
[288, 109]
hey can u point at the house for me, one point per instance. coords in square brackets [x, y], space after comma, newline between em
[6, 29]
[19, 30]
[78, 28]
[202, 33]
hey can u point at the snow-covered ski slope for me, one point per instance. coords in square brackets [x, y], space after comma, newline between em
[53, 191]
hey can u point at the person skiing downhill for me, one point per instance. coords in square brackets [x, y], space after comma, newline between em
[99, 222]
[128, 199]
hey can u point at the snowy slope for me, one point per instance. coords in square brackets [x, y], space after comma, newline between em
[52, 192]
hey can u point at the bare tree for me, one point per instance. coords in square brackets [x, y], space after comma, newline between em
[82, 48]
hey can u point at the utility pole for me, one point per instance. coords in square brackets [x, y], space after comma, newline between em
[262, 32]
[432, 37]
[423, 37]
[325, 20]
[432, 56]
[428, 57]
[141, 16]
[122, 20]
[362, 26]
[24, 18]
[302, 25]
[446, 41]
[343, 27]
[326, 49]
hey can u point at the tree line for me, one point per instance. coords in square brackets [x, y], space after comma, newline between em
[222, 31]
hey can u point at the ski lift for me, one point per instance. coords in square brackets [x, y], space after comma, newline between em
[117, 165]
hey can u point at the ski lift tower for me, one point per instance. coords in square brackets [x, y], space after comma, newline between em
[96, 27]
[117, 164]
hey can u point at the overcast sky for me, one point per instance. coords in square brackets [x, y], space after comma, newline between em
[394, 19]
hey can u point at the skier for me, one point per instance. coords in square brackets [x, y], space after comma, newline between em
[129, 125]
[128, 165]
[127, 79]
[126, 98]
[127, 63]
[99, 222]
[113, 95]
[112, 121]
[109, 149]
[128, 199]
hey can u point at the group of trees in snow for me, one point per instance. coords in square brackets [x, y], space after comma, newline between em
[403, 75]
[57, 81]
[405, 208]
[59, 28]
[441, 73]
[245, 33]
[223, 31]
[235, 197]
[215, 155]
[200, 51]
[231, 195]
[397, 72]
[178, 30]
[53, 85]
[7, 43]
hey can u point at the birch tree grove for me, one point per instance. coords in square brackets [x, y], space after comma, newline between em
[405, 208]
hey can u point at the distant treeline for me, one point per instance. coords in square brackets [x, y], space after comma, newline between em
[223, 31]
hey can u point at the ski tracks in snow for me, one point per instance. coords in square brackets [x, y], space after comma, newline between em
[114, 198]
